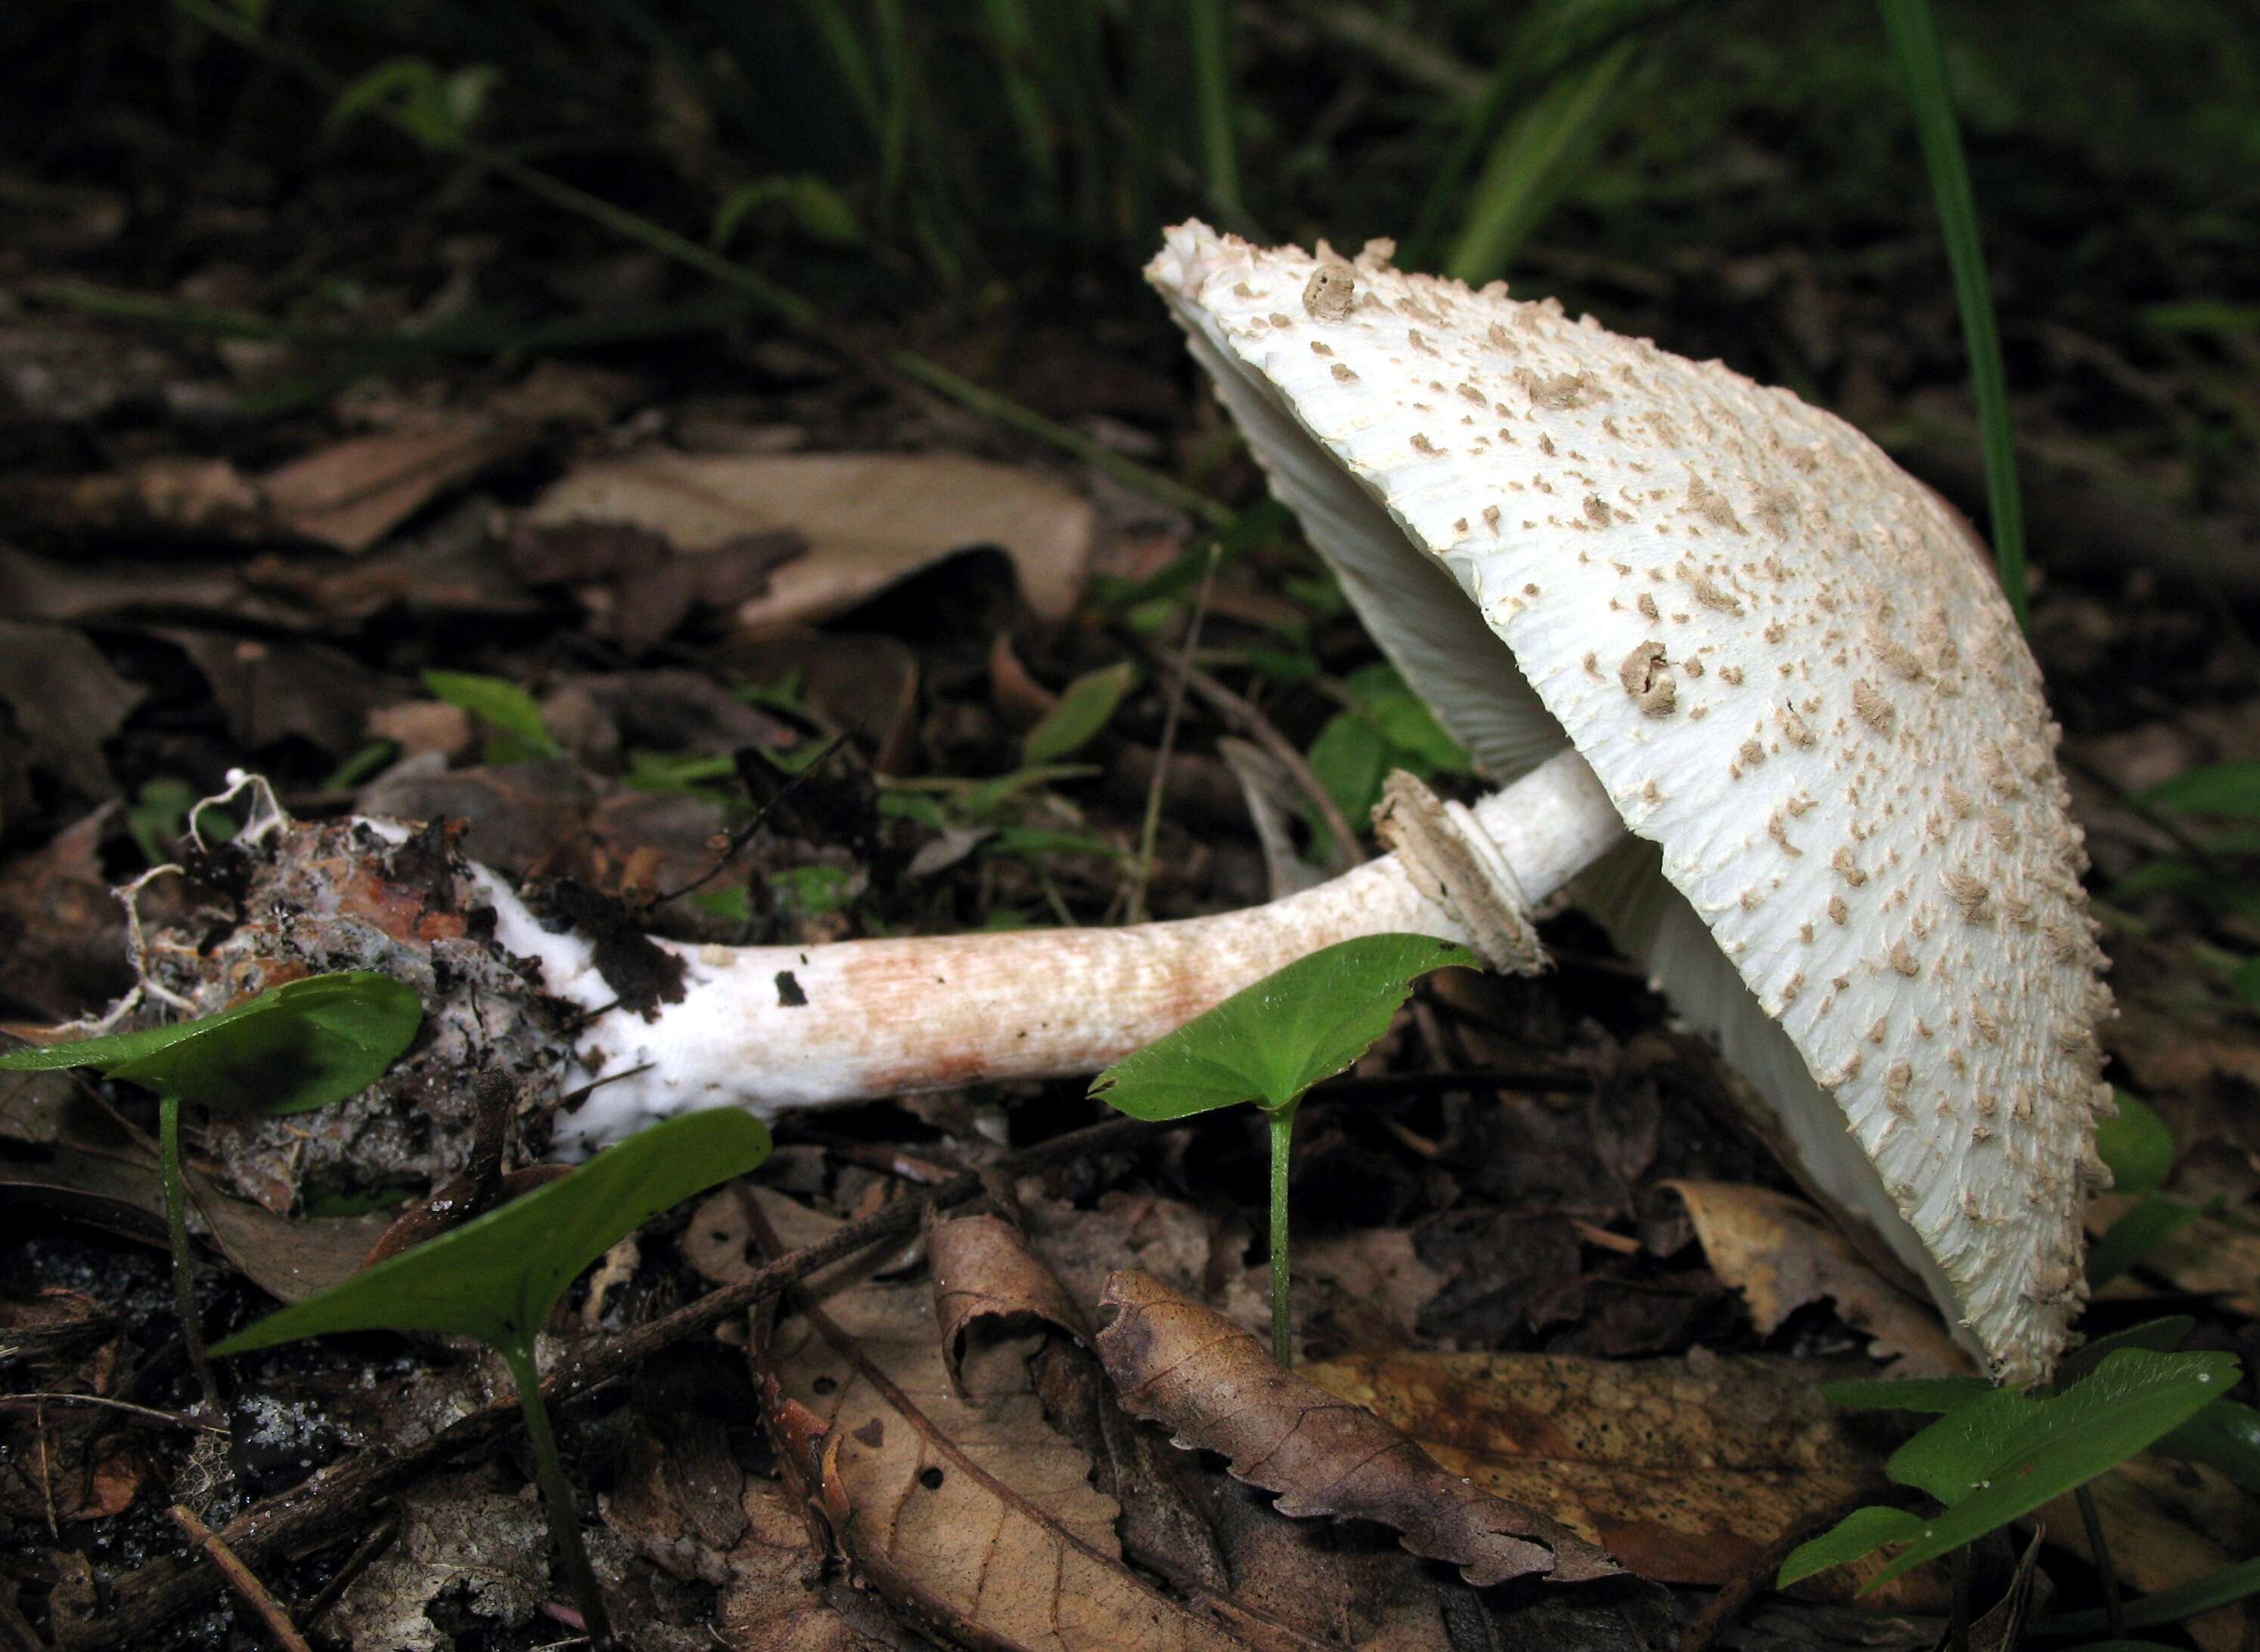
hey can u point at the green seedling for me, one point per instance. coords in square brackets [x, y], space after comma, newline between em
[498, 1276]
[1268, 1044]
[1383, 726]
[520, 735]
[2003, 1455]
[1084, 710]
[436, 109]
[2139, 1151]
[291, 1050]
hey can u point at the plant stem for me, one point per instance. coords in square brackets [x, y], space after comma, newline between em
[1282, 1121]
[2098, 1550]
[557, 1494]
[177, 1235]
[1957, 1634]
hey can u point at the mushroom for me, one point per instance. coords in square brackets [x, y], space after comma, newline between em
[1762, 710]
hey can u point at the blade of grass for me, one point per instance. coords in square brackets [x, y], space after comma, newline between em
[1211, 41]
[1532, 161]
[1914, 41]
[1548, 41]
[788, 307]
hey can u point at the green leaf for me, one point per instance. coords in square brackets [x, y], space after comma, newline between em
[292, 1048]
[1859, 1533]
[1405, 721]
[2224, 1436]
[498, 1276]
[2154, 1220]
[2229, 790]
[820, 211]
[1911, 1393]
[499, 703]
[2136, 1145]
[1086, 707]
[2008, 1454]
[1914, 41]
[1271, 1041]
[1350, 758]
[2209, 1593]
[2160, 1336]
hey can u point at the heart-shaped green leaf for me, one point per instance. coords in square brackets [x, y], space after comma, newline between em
[1270, 1042]
[498, 1276]
[292, 1048]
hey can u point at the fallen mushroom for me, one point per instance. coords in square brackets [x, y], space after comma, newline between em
[1764, 712]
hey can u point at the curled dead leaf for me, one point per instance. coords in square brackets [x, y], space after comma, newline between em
[975, 1516]
[983, 1270]
[1213, 1386]
[1781, 1254]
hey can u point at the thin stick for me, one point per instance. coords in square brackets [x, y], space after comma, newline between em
[241, 1579]
[1243, 718]
[178, 1419]
[339, 1496]
[351, 1567]
[2098, 1551]
[1143, 873]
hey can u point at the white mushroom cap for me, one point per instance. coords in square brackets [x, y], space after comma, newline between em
[1792, 668]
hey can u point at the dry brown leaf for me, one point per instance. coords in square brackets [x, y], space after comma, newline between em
[352, 494]
[468, 1549]
[2205, 1256]
[1783, 1254]
[767, 1605]
[975, 1515]
[1214, 1386]
[65, 700]
[2166, 1524]
[871, 520]
[983, 1270]
[62, 940]
[1684, 1469]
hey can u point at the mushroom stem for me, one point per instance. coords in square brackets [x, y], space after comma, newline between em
[772, 1027]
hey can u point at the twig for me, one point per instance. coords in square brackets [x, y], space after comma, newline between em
[178, 1419]
[364, 1556]
[1243, 718]
[1757, 1577]
[336, 1499]
[241, 1579]
[1142, 873]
